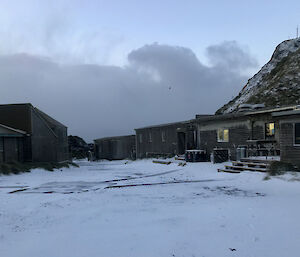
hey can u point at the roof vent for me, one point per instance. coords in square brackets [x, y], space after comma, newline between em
[250, 107]
[258, 106]
[245, 107]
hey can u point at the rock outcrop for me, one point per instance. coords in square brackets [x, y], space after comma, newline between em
[276, 84]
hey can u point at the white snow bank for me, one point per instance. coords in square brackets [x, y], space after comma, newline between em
[196, 212]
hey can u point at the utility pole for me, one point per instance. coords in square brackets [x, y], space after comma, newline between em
[297, 33]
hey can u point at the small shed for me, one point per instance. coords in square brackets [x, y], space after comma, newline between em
[47, 139]
[166, 139]
[115, 148]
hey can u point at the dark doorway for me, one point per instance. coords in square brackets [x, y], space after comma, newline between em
[181, 142]
[191, 140]
[11, 149]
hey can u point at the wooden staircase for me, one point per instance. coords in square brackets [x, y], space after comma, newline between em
[247, 164]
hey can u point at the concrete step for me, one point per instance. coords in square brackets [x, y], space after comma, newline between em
[249, 164]
[229, 171]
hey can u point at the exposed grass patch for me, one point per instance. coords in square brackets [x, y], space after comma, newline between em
[280, 168]
[17, 167]
[14, 168]
[74, 164]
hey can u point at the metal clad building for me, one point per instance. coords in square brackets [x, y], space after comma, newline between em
[115, 148]
[166, 139]
[46, 139]
[229, 131]
[274, 131]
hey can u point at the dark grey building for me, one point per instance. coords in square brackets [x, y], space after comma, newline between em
[46, 139]
[165, 139]
[262, 132]
[115, 148]
[289, 135]
[258, 131]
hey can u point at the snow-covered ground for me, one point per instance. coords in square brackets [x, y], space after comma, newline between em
[172, 210]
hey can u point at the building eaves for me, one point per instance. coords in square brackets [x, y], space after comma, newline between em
[167, 124]
[236, 115]
[219, 117]
[286, 113]
[112, 138]
[272, 110]
[16, 104]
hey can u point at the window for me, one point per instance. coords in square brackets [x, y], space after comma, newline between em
[270, 130]
[150, 137]
[141, 138]
[297, 133]
[163, 136]
[223, 135]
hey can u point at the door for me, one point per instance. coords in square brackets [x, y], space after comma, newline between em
[181, 142]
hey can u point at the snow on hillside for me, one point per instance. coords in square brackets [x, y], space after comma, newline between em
[146, 209]
[281, 51]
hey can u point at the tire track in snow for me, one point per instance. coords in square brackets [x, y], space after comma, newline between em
[86, 188]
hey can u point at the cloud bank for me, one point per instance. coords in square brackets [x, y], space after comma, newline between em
[160, 83]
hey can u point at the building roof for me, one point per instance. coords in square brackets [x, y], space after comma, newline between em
[273, 110]
[245, 114]
[113, 138]
[167, 124]
[208, 117]
[17, 104]
[44, 115]
[287, 113]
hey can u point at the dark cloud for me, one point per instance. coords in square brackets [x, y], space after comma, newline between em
[177, 66]
[230, 55]
[160, 84]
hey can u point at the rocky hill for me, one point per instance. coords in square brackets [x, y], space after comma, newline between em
[78, 147]
[276, 84]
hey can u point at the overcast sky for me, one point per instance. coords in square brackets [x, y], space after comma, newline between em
[106, 67]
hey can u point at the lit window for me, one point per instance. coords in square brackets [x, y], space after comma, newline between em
[270, 130]
[141, 138]
[223, 135]
[163, 136]
[150, 137]
[297, 133]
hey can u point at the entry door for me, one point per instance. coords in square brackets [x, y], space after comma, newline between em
[181, 142]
